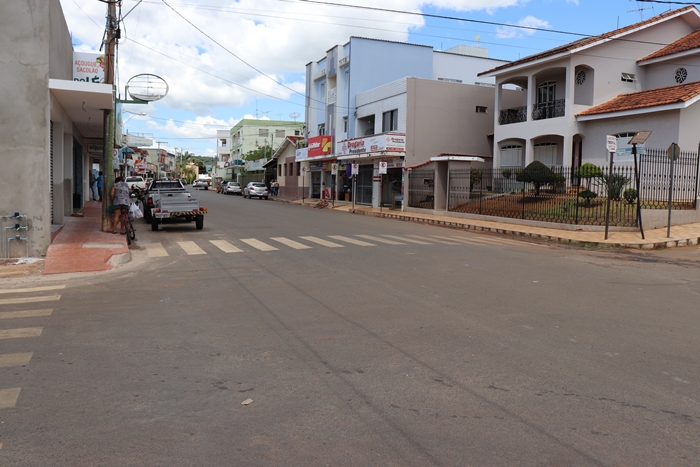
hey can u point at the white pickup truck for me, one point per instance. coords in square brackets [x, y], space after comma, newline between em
[169, 199]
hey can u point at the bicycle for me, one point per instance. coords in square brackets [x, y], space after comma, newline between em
[128, 227]
[321, 204]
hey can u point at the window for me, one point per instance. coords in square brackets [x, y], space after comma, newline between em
[322, 92]
[297, 132]
[546, 153]
[298, 168]
[263, 132]
[223, 143]
[322, 129]
[480, 109]
[291, 169]
[628, 77]
[279, 133]
[546, 93]
[390, 121]
[450, 80]
[345, 124]
[511, 156]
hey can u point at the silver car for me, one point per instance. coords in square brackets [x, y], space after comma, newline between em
[255, 189]
[233, 188]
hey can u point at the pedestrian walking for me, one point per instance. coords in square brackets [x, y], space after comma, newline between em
[99, 182]
[277, 188]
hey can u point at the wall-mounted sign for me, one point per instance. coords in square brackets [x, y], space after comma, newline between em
[334, 168]
[88, 67]
[382, 167]
[320, 146]
[95, 148]
[377, 143]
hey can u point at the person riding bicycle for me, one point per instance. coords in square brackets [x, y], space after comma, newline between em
[120, 202]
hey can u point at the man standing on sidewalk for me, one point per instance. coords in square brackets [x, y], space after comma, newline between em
[99, 186]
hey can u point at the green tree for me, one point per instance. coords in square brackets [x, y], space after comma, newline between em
[588, 171]
[258, 153]
[538, 174]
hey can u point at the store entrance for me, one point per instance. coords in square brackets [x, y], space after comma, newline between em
[316, 184]
[364, 185]
[391, 187]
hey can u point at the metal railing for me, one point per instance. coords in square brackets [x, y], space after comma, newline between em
[549, 110]
[421, 189]
[567, 196]
[513, 115]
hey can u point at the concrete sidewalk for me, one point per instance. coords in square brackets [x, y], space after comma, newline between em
[81, 246]
[681, 235]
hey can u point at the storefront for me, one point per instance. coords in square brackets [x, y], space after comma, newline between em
[380, 161]
[318, 161]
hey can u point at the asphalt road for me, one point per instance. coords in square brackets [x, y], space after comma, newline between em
[423, 346]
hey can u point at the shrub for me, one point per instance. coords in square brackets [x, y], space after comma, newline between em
[630, 195]
[474, 178]
[587, 196]
[588, 171]
[615, 184]
[506, 173]
[538, 174]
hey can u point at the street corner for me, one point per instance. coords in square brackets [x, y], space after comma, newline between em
[21, 267]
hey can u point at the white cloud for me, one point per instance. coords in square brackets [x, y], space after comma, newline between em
[507, 32]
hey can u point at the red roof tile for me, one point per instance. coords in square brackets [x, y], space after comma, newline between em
[644, 99]
[590, 40]
[689, 42]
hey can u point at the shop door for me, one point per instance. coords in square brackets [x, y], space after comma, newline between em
[391, 186]
[364, 185]
[316, 184]
[77, 175]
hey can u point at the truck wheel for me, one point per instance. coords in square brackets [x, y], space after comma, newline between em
[154, 224]
[147, 214]
[199, 221]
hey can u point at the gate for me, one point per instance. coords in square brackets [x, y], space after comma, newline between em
[421, 189]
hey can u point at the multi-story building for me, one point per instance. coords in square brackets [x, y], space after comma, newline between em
[639, 77]
[52, 130]
[383, 106]
[223, 155]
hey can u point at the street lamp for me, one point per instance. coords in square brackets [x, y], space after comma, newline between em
[142, 114]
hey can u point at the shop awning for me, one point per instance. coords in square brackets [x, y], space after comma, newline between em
[84, 103]
[457, 158]
[371, 155]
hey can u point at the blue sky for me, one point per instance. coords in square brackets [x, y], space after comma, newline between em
[223, 60]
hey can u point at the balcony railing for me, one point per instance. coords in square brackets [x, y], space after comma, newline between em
[549, 110]
[514, 115]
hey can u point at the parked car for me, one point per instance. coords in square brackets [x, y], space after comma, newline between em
[233, 188]
[136, 180]
[255, 189]
[201, 183]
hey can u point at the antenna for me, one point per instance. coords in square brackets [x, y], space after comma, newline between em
[258, 112]
[641, 9]
[294, 116]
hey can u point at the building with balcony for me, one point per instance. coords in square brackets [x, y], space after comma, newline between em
[360, 90]
[223, 168]
[638, 77]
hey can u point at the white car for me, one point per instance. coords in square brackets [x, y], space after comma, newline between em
[201, 183]
[136, 180]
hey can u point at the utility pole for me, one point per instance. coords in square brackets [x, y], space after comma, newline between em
[158, 163]
[112, 34]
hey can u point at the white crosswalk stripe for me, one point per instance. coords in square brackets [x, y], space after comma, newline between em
[431, 239]
[380, 240]
[33, 289]
[323, 242]
[25, 313]
[8, 397]
[291, 243]
[258, 245]
[156, 250]
[493, 241]
[350, 240]
[14, 301]
[15, 359]
[20, 333]
[225, 246]
[191, 248]
[409, 240]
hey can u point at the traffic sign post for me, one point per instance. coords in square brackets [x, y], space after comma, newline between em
[611, 144]
[303, 183]
[639, 138]
[674, 152]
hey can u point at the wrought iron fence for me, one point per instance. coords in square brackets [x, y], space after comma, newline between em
[513, 115]
[549, 110]
[567, 196]
[421, 189]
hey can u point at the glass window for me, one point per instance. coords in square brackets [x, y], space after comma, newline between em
[390, 120]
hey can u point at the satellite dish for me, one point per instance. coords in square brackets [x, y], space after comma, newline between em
[294, 116]
[146, 87]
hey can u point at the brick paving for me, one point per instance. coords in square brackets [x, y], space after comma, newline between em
[67, 252]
